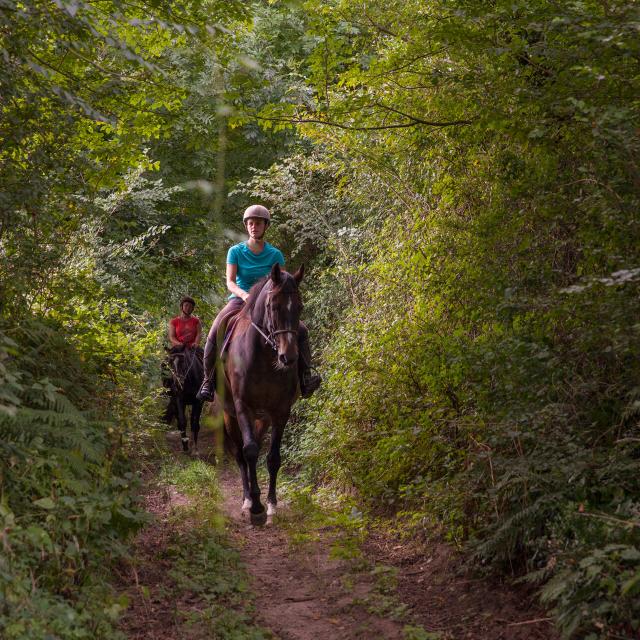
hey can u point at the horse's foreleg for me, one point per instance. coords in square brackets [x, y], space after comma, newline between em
[196, 411]
[170, 411]
[233, 442]
[182, 423]
[250, 454]
[244, 475]
[273, 465]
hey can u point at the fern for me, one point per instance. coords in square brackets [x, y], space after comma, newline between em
[62, 508]
[517, 531]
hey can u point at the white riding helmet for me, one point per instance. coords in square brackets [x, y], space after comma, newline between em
[256, 211]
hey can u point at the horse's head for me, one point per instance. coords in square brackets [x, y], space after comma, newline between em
[176, 362]
[280, 306]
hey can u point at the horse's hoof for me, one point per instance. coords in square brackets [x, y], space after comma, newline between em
[271, 509]
[259, 519]
[185, 445]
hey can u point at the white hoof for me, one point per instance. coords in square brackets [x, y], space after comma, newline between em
[271, 509]
[246, 505]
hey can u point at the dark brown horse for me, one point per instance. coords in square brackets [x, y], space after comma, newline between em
[261, 380]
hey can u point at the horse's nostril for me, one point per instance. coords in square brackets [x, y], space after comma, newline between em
[283, 358]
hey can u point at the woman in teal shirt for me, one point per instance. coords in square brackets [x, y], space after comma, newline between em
[247, 262]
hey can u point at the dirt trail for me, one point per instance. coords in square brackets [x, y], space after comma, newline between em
[301, 593]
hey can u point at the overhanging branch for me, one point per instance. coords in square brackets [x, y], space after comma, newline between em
[414, 122]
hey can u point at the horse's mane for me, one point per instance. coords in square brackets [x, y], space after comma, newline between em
[254, 293]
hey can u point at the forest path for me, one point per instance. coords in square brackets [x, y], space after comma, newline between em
[308, 578]
[301, 591]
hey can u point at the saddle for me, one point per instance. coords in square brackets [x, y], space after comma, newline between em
[229, 328]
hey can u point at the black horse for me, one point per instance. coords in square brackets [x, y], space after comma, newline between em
[187, 373]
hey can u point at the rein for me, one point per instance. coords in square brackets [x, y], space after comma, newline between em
[269, 338]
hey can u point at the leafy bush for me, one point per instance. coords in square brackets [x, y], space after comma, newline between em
[68, 499]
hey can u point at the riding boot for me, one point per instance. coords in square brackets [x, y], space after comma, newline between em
[309, 381]
[208, 387]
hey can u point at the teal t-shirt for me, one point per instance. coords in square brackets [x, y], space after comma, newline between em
[251, 266]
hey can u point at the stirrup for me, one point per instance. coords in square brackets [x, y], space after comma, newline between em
[309, 383]
[205, 394]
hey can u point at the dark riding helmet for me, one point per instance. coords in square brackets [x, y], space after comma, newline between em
[187, 299]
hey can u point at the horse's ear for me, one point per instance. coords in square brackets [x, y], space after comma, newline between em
[299, 274]
[276, 273]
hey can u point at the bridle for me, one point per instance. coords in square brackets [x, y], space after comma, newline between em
[271, 331]
[176, 376]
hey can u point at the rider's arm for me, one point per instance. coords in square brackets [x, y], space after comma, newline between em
[172, 336]
[232, 272]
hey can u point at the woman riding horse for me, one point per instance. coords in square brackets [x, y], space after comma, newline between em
[248, 262]
[185, 366]
[185, 329]
[261, 381]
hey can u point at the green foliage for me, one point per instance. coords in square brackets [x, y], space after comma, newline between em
[204, 566]
[113, 126]
[598, 589]
[67, 500]
[195, 478]
[411, 632]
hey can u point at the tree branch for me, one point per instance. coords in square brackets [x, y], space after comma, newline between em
[383, 29]
[401, 125]
[79, 82]
[420, 120]
[406, 65]
[107, 72]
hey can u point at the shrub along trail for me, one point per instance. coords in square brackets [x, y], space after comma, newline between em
[200, 570]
